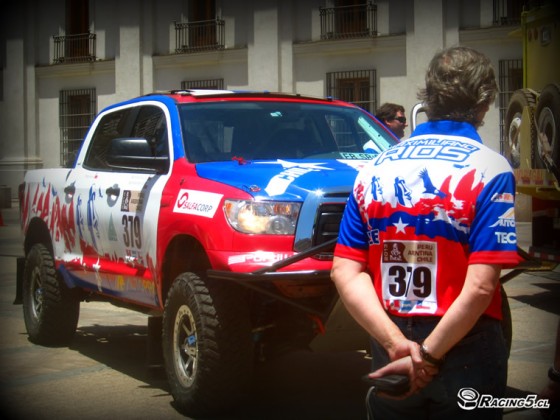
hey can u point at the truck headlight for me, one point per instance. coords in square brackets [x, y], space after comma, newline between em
[263, 217]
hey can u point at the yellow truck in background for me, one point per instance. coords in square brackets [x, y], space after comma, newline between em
[532, 124]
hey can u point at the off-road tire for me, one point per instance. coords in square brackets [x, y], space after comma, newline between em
[547, 115]
[50, 309]
[207, 347]
[512, 142]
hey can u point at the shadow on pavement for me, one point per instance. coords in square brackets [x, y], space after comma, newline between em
[547, 300]
[298, 384]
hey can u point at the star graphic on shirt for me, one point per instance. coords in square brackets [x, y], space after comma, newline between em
[400, 226]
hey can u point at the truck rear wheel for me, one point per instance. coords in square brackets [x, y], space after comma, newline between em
[512, 146]
[50, 309]
[207, 345]
[548, 123]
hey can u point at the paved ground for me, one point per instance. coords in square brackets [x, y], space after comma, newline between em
[104, 371]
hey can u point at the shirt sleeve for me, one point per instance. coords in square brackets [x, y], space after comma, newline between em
[493, 237]
[352, 239]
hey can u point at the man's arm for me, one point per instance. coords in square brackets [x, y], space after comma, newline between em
[356, 291]
[480, 283]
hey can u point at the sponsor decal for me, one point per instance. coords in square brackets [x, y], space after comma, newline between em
[503, 198]
[506, 220]
[409, 252]
[198, 203]
[291, 171]
[257, 258]
[132, 201]
[430, 148]
[469, 399]
[112, 234]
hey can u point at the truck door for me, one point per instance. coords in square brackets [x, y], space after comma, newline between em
[118, 203]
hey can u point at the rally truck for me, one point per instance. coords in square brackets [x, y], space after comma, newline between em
[532, 122]
[214, 212]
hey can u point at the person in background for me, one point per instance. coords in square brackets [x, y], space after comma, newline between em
[392, 116]
[424, 235]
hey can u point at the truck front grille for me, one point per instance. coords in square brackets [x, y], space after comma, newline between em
[319, 220]
[328, 222]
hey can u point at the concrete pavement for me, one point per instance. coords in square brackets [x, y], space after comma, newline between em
[104, 373]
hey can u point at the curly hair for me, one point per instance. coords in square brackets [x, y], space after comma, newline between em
[460, 83]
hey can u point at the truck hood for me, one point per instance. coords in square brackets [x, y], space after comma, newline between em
[283, 179]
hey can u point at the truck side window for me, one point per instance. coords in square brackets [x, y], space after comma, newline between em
[111, 126]
[151, 125]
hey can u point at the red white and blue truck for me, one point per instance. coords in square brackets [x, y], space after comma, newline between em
[212, 211]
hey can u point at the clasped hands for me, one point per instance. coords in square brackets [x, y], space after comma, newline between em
[406, 360]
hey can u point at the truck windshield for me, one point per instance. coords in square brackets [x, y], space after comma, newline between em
[253, 130]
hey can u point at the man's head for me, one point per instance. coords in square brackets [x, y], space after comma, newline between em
[460, 86]
[392, 115]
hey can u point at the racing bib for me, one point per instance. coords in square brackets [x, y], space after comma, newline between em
[409, 273]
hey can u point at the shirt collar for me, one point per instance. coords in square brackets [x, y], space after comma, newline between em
[443, 127]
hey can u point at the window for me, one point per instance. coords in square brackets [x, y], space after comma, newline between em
[203, 84]
[349, 19]
[203, 30]
[510, 76]
[77, 109]
[111, 126]
[253, 130]
[202, 11]
[508, 12]
[357, 87]
[78, 44]
[144, 122]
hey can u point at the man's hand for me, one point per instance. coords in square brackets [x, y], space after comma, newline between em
[420, 374]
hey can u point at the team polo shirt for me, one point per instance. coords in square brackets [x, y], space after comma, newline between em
[425, 209]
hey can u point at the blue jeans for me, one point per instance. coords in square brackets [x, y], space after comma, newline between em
[478, 361]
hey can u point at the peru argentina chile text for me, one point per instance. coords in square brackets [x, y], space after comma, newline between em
[440, 149]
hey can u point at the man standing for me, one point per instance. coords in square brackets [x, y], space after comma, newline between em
[418, 265]
[392, 116]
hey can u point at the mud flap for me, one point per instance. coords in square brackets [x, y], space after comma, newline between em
[19, 280]
[154, 350]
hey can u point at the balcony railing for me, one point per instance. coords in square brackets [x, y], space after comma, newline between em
[199, 36]
[355, 21]
[77, 48]
[508, 12]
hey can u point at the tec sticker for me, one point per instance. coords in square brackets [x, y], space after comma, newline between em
[198, 203]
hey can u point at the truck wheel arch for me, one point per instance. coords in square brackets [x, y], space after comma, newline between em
[37, 232]
[183, 254]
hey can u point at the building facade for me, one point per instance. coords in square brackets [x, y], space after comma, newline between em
[62, 61]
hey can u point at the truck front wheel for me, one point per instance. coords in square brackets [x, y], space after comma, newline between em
[50, 309]
[207, 346]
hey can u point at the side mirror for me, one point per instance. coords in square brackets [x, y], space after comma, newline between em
[135, 153]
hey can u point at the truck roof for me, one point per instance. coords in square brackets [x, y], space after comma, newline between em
[194, 95]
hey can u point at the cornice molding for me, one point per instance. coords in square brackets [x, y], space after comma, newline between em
[201, 58]
[75, 69]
